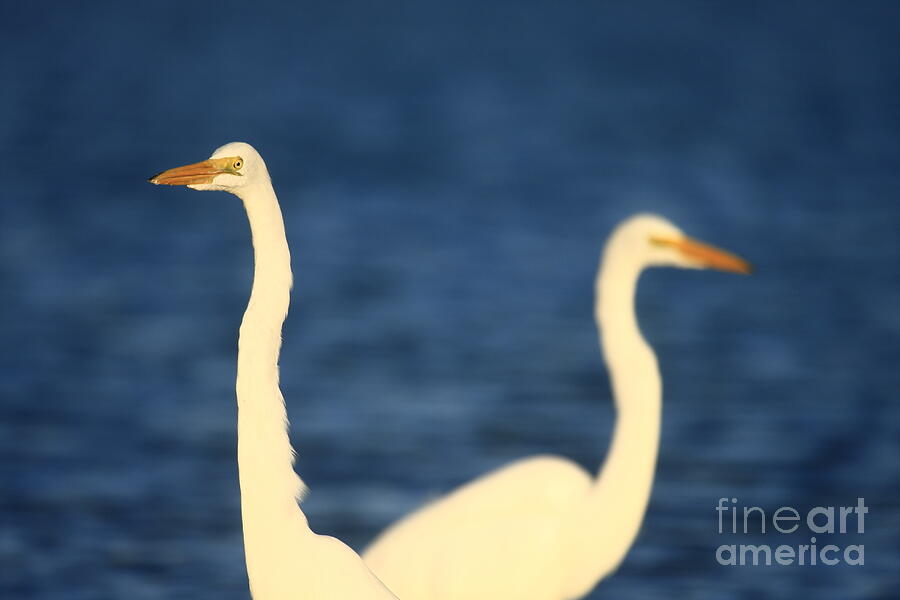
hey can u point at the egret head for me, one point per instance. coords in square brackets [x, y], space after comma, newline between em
[230, 168]
[654, 241]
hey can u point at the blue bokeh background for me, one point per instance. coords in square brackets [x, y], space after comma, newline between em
[448, 173]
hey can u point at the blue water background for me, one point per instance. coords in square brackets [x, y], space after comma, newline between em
[448, 173]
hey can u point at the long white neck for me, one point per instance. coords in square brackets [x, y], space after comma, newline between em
[274, 526]
[615, 507]
[637, 390]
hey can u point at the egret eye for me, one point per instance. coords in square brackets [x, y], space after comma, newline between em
[662, 242]
[237, 164]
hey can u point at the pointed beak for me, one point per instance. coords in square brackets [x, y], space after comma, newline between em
[201, 172]
[708, 256]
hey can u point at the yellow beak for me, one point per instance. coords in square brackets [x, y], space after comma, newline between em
[706, 255]
[201, 172]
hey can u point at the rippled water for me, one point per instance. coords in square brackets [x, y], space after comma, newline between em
[448, 173]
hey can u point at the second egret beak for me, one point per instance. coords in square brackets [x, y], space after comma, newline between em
[707, 256]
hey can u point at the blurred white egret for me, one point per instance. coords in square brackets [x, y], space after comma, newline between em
[286, 560]
[542, 528]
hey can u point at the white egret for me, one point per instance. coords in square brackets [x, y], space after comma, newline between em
[286, 560]
[543, 528]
